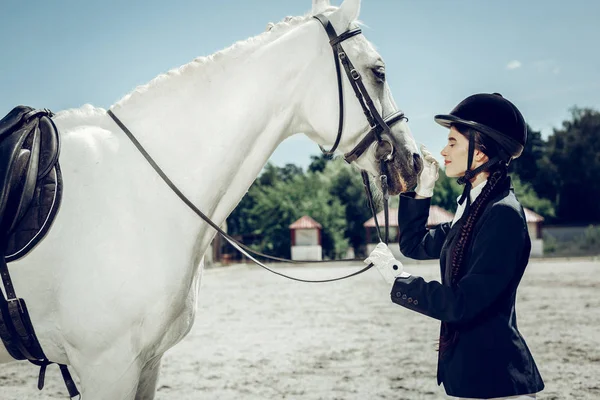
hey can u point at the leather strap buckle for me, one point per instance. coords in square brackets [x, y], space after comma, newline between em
[16, 300]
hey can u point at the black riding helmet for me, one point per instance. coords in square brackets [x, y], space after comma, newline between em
[495, 117]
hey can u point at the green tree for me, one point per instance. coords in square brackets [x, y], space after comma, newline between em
[446, 192]
[290, 172]
[280, 196]
[272, 173]
[570, 169]
[277, 206]
[319, 162]
[241, 221]
[529, 198]
[526, 166]
[268, 176]
[346, 184]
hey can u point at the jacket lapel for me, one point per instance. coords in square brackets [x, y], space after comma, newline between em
[446, 255]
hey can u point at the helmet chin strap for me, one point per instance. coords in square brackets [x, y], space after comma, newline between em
[470, 174]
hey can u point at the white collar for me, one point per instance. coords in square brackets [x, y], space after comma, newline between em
[475, 191]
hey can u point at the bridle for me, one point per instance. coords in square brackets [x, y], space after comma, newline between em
[380, 128]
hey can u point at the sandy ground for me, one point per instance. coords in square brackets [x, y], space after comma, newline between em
[259, 336]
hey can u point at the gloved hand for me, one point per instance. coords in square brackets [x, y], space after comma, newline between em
[429, 174]
[383, 259]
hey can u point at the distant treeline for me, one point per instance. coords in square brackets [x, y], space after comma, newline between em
[558, 178]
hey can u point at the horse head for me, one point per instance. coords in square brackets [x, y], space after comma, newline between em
[375, 134]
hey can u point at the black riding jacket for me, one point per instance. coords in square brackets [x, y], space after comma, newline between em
[489, 358]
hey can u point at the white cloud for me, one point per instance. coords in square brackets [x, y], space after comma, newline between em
[514, 64]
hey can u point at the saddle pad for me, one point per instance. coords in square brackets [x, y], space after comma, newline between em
[38, 218]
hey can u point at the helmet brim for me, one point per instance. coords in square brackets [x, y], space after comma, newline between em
[511, 146]
[447, 120]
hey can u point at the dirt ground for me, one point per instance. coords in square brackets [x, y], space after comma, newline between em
[259, 336]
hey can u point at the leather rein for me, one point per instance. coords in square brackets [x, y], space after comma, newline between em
[379, 128]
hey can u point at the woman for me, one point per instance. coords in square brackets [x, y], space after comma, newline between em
[483, 254]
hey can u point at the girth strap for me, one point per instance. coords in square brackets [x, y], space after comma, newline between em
[64, 371]
[18, 334]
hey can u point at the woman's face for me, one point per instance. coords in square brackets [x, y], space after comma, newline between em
[456, 154]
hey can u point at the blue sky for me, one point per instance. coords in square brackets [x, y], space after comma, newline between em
[541, 54]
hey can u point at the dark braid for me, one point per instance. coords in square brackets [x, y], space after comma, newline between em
[498, 174]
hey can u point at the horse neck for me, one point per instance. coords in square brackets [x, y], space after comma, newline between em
[212, 126]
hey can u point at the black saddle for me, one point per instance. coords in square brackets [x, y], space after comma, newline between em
[30, 195]
[30, 179]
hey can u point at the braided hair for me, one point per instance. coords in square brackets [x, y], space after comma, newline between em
[498, 174]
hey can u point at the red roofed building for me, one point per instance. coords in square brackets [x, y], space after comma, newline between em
[306, 222]
[534, 226]
[306, 239]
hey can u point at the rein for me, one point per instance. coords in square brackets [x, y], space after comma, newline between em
[245, 250]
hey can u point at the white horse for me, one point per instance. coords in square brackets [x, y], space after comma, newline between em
[114, 284]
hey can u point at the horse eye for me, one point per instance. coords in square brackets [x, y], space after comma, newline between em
[379, 73]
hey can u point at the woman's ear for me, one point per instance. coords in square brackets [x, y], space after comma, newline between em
[479, 157]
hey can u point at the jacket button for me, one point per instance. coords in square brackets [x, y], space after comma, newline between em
[410, 299]
[415, 302]
[398, 294]
[403, 297]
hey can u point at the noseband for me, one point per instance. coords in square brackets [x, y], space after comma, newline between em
[380, 127]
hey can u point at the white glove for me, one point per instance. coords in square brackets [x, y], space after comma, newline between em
[429, 174]
[383, 259]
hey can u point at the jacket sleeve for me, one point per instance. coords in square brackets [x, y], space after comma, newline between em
[416, 241]
[496, 258]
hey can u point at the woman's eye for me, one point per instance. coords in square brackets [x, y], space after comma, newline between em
[379, 73]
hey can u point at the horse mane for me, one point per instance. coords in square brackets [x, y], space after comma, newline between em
[83, 113]
[272, 33]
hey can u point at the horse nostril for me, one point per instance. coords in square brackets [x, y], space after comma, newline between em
[417, 163]
[384, 149]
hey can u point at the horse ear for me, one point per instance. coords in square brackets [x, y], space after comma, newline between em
[349, 11]
[318, 6]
